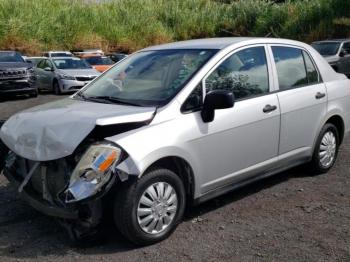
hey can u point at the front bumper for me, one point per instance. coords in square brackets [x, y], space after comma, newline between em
[39, 204]
[17, 86]
[45, 192]
[71, 85]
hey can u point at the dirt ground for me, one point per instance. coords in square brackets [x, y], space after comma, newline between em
[289, 217]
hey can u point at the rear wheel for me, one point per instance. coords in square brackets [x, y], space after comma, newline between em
[148, 210]
[56, 88]
[326, 149]
[3, 154]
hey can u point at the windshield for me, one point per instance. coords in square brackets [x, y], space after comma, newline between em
[12, 57]
[34, 61]
[99, 60]
[149, 78]
[71, 63]
[326, 48]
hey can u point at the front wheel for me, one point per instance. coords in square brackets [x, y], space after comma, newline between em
[34, 93]
[149, 210]
[56, 88]
[326, 149]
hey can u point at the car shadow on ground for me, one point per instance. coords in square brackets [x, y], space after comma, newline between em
[7, 98]
[47, 238]
[245, 191]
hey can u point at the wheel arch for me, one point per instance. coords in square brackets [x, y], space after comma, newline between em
[338, 122]
[55, 80]
[179, 166]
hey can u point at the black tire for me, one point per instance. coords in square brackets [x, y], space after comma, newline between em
[126, 204]
[315, 164]
[56, 88]
[34, 93]
[3, 154]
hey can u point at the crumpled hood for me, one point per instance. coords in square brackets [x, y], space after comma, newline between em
[54, 130]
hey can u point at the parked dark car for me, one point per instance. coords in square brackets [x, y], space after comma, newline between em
[337, 54]
[16, 75]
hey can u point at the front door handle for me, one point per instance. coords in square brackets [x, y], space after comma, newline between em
[319, 95]
[269, 108]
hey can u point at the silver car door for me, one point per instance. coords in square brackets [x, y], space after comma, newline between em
[303, 101]
[50, 75]
[45, 75]
[240, 141]
[39, 72]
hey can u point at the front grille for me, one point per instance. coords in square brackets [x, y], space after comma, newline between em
[85, 78]
[13, 85]
[13, 74]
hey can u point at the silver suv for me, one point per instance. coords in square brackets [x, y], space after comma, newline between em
[176, 125]
[337, 54]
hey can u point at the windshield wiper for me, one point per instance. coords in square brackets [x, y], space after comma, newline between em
[80, 95]
[110, 99]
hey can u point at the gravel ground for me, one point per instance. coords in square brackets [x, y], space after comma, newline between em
[289, 217]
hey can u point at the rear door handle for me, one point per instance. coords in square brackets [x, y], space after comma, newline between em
[269, 108]
[319, 95]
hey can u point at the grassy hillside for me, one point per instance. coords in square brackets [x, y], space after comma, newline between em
[36, 25]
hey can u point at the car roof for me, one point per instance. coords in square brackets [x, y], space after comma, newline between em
[207, 43]
[63, 57]
[221, 43]
[333, 41]
[88, 55]
[32, 57]
[59, 52]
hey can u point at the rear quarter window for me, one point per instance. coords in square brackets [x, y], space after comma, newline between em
[311, 71]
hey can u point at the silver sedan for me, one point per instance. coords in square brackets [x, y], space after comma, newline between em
[64, 74]
[175, 125]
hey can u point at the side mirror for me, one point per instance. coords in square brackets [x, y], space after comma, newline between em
[216, 99]
[343, 53]
[48, 69]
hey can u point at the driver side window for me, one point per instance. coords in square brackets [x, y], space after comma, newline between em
[244, 73]
[346, 48]
[41, 64]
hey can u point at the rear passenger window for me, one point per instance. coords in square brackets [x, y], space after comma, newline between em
[312, 74]
[290, 67]
[244, 73]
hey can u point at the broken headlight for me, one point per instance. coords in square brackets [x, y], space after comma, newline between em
[93, 171]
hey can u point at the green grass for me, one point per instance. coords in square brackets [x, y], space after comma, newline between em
[36, 25]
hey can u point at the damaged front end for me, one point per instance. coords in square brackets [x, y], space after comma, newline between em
[66, 188]
[63, 166]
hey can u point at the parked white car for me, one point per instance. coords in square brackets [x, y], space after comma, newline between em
[58, 54]
[175, 125]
